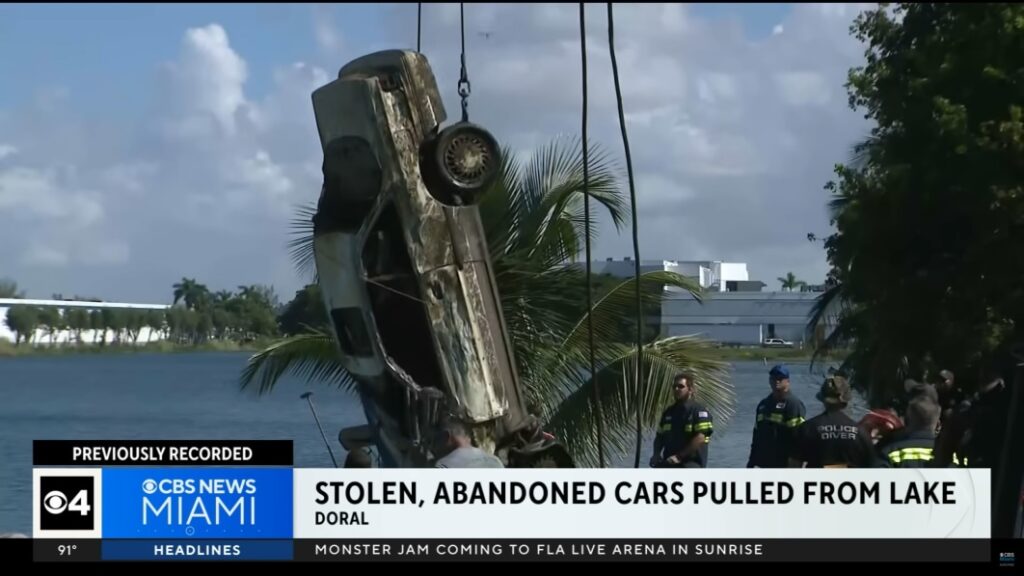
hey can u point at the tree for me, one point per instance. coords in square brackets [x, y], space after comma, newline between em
[194, 294]
[305, 313]
[23, 321]
[98, 326]
[51, 320]
[790, 283]
[9, 289]
[156, 323]
[533, 218]
[929, 212]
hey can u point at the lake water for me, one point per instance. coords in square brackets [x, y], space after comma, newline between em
[196, 396]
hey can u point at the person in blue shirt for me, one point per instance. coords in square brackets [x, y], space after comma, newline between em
[776, 421]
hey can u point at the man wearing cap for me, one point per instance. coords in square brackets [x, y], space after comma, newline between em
[777, 418]
[832, 439]
[685, 429]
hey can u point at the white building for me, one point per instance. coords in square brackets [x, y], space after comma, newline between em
[713, 275]
[43, 336]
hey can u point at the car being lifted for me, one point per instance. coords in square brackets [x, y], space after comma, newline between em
[403, 265]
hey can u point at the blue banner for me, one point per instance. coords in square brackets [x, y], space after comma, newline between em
[198, 549]
[229, 503]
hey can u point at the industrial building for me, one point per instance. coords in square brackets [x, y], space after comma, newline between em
[739, 318]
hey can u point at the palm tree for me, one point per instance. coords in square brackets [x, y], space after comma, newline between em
[790, 283]
[193, 293]
[533, 218]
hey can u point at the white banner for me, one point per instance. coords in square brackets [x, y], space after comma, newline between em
[639, 504]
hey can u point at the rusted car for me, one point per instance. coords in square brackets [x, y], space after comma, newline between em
[403, 266]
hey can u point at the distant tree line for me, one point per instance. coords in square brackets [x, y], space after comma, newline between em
[198, 315]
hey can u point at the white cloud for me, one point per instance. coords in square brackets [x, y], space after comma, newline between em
[209, 78]
[732, 140]
[326, 33]
[131, 177]
[7, 150]
[803, 88]
[30, 193]
[730, 135]
[46, 256]
[104, 253]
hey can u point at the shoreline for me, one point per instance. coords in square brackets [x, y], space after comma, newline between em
[777, 355]
[9, 350]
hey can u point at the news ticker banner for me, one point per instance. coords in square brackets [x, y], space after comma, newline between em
[245, 506]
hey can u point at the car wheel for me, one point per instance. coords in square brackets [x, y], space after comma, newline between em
[460, 164]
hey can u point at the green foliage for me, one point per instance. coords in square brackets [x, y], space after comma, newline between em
[23, 321]
[533, 218]
[305, 313]
[929, 215]
[789, 282]
[9, 289]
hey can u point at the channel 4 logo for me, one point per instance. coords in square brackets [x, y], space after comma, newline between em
[67, 503]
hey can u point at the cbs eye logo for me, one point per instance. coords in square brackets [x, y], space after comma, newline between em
[66, 503]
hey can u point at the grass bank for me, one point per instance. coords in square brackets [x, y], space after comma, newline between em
[731, 354]
[8, 349]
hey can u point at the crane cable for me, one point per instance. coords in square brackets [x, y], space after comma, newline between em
[464, 87]
[598, 410]
[636, 233]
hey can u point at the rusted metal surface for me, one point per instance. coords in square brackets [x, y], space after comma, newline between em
[391, 100]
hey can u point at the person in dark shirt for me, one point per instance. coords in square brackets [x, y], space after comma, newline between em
[777, 418]
[972, 435]
[685, 429]
[950, 395]
[832, 439]
[914, 447]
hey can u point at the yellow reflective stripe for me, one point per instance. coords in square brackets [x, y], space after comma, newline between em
[703, 426]
[777, 418]
[665, 428]
[794, 422]
[760, 417]
[958, 462]
[909, 454]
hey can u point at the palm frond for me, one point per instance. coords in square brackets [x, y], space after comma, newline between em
[500, 205]
[620, 302]
[826, 307]
[569, 415]
[301, 245]
[551, 182]
[312, 356]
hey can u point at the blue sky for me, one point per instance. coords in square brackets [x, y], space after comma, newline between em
[123, 126]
